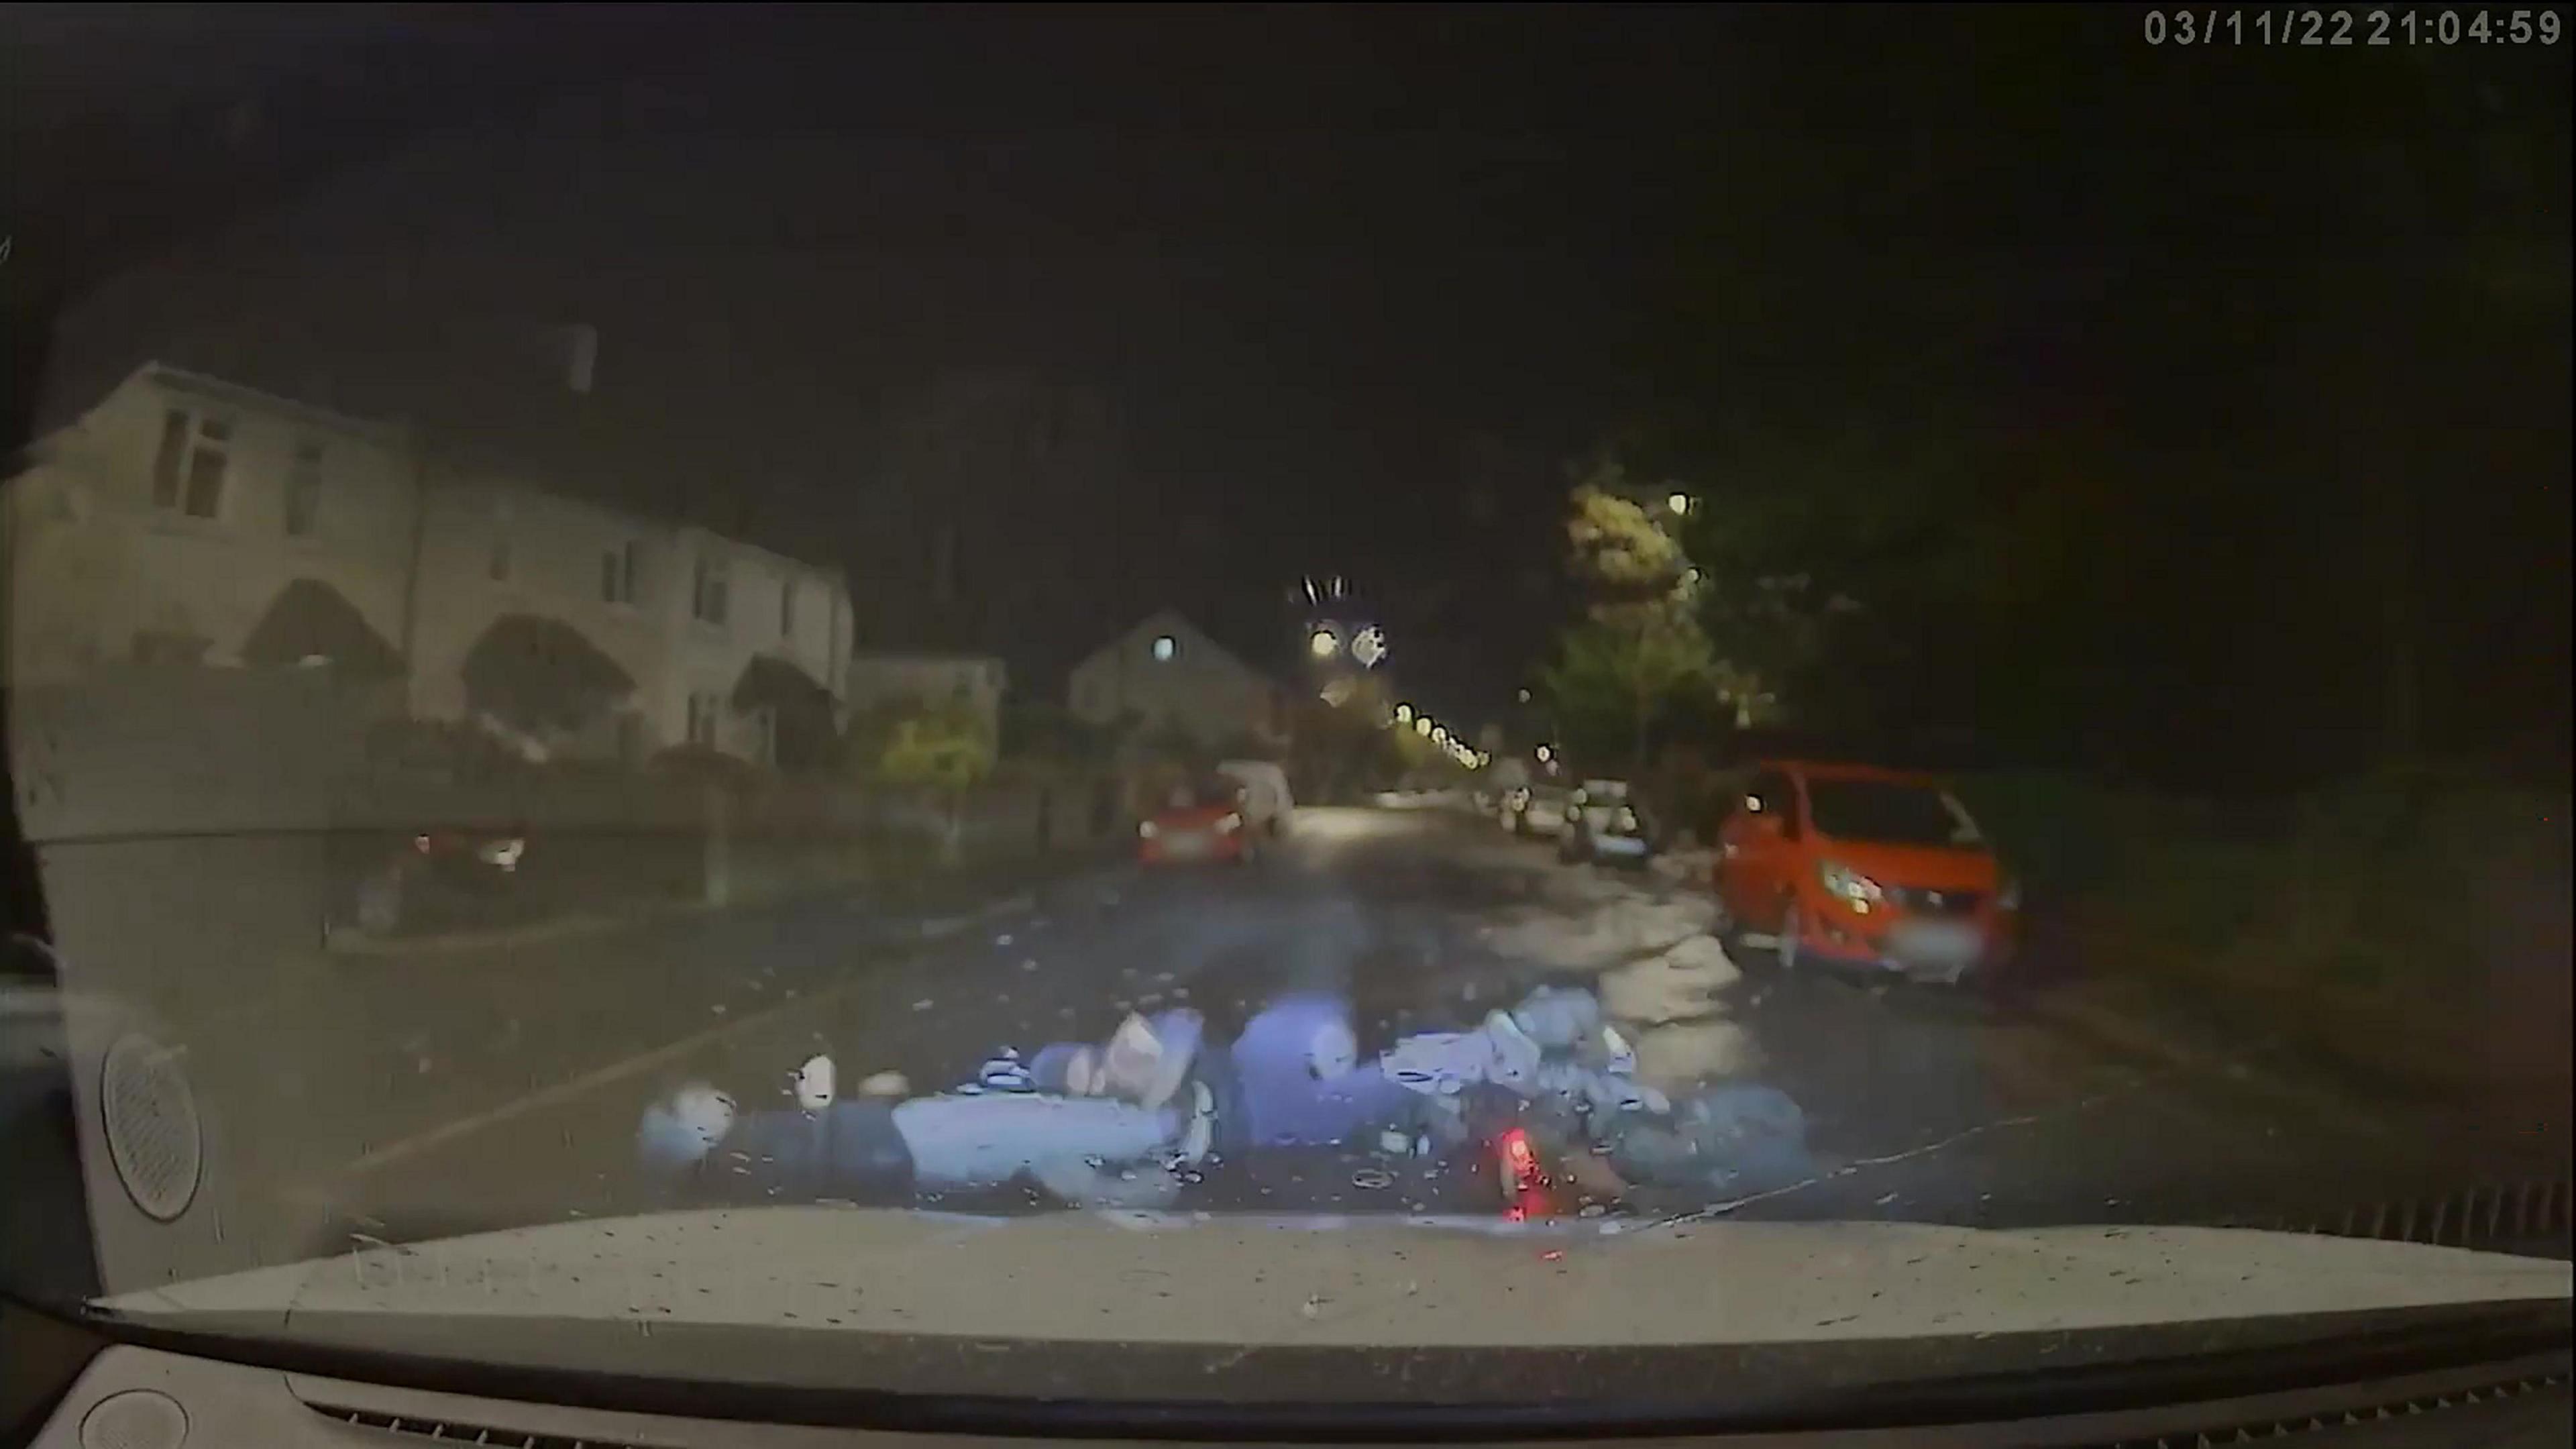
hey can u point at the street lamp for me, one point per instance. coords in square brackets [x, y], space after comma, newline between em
[1679, 503]
[1422, 724]
[1524, 696]
[1404, 714]
[1323, 644]
[1545, 754]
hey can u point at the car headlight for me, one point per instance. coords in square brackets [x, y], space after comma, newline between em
[2009, 898]
[1856, 890]
[1230, 824]
[1148, 829]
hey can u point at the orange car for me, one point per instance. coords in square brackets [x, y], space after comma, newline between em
[1862, 866]
[1202, 821]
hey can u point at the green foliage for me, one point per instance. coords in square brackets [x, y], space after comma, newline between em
[1640, 654]
[943, 747]
[1607, 683]
[1621, 552]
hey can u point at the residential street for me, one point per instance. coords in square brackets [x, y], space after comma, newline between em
[506, 1082]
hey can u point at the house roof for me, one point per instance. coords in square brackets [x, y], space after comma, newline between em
[1174, 622]
[218, 389]
[538, 459]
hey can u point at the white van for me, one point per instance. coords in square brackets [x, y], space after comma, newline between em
[1267, 805]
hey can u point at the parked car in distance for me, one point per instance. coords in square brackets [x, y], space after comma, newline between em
[1602, 822]
[440, 877]
[1875, 868]
[1198, 821]
[1268, 807]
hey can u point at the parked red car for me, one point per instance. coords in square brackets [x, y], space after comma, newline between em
[1200, 821]
[1876, 868]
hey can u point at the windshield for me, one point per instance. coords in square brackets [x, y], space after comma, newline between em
[1888, 813]
[1159, 621]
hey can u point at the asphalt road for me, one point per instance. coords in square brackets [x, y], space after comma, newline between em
[509, 1080]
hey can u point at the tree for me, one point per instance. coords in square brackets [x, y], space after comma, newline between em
[942, 748]
[1640, 644]
[1816, 551]
[2234, 471]
[1608, 683]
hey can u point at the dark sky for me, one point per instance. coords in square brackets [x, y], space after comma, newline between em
[1359, 280]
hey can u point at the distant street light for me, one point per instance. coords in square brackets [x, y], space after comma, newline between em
[1545, 754]
[1404, 714]
[1422, 724]
[1524, 696]
[1679, 503]
[1323, 644]
[1440, 734]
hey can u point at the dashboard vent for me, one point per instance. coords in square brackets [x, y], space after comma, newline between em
[149, 1116]
[2529, 1217]
[449, 1431]
[2261, 1430]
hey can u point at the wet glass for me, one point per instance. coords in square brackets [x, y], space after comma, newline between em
[1048, 656]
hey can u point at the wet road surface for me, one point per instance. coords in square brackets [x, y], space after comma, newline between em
[520, 1081]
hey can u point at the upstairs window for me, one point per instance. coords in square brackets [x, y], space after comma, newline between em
[188, 471]
[617, 570]
[709, 602]
[304, 489]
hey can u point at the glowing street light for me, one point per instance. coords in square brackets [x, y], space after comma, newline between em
[1545, 754]
[1404, 714]
[1440, 734]
[1422, 724]
[1323, 643]
[1679, 503]
[1524, 696]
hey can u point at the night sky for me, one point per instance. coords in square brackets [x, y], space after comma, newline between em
[1353, 284]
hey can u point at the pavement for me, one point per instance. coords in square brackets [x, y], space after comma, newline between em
[503, 1084]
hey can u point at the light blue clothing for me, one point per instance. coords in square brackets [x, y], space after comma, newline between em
[1288, 1090]
[989, 1140]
